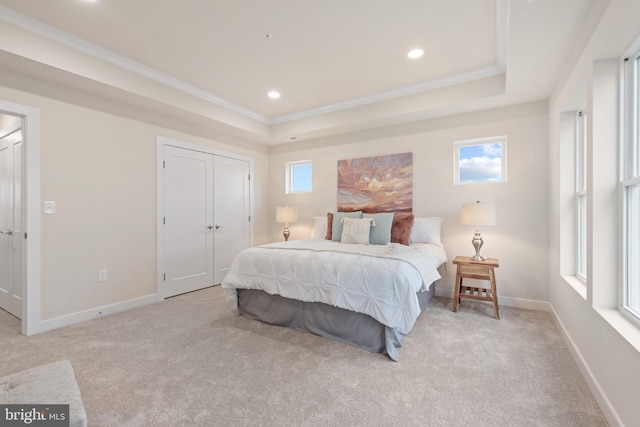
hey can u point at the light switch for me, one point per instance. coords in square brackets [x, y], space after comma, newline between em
[49, 208]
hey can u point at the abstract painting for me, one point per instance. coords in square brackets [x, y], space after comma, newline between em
[376, 184]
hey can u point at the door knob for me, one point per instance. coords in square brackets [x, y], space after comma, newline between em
[218, 226]
[209, 226]
[8, 232]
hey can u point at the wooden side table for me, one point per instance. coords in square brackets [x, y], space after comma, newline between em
[483, 270]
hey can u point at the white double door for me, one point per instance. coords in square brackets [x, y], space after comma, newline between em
[11, 222]
[206, 217]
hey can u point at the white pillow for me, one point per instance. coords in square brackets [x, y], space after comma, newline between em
[356, 230]
[319, 227]
[426, 230]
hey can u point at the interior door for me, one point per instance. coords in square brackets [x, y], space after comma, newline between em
[11, 223]
[231, 212]
[188, 220]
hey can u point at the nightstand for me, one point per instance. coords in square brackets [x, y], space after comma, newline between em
[482, 270]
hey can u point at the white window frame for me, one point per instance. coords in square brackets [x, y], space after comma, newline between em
[581, 195]
[630, 185]
[480, 141]
[290, 176]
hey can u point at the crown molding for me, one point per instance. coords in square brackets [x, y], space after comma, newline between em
[69, 40]
[503, 9]
[392, 94]
[51, 33]
[502, 45]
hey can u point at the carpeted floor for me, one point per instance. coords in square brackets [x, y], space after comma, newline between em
[193, 361]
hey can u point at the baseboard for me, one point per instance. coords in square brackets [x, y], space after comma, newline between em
[606, 407]
[93, 313]
[526, 304]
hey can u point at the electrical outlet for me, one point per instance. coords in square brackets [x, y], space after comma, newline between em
[49, 207]
[103, 275]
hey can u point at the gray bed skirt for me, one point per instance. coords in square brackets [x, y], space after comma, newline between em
[325, 320]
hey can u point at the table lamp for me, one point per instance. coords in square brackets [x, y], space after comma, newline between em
[478, 214]
[286, 215]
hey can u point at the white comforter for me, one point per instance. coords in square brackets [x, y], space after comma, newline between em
[380, 281]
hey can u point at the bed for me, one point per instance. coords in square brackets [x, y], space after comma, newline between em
[367, 295]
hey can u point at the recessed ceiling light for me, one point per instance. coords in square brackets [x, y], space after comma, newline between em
[415, 53]
[273, 94]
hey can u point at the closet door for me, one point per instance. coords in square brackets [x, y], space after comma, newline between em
[231, 212]
[11, 229]
[205, 205]
[188, 221]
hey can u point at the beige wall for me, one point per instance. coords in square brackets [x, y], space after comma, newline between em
[100, 169]
[7, 121]
[606, 345]
[519, 240]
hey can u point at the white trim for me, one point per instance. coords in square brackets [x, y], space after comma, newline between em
[605, 405]
[503, 11]
[527, 304]
[628, 169]
[40, 28]
[161, 142]
[160, 268]
[10, 129]
[93, 313]
[502, 139]
[502, 49]
[289, 176]
[32, 290]
[577, 283]
[391, 94]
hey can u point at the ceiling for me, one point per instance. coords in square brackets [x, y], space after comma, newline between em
[341, 66]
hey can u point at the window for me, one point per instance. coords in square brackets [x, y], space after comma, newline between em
[581, 195]
[630, 188]
[481, 160]
[299, 177]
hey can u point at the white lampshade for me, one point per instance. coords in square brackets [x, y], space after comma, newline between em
[286, 215]
[479, 214]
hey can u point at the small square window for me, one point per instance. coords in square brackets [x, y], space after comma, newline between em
[299, 177]
[481, 160]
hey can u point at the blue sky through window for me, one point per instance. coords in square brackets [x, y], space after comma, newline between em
[480, 163]
[301, 178]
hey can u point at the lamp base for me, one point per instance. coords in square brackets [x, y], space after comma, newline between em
[286, 233]
[477, 244]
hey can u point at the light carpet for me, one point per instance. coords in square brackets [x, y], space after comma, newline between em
[192, 360]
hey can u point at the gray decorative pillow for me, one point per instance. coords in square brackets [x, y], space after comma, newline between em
[380, 233]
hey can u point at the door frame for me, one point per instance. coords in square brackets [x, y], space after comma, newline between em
[31, 299]
[161, 142]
